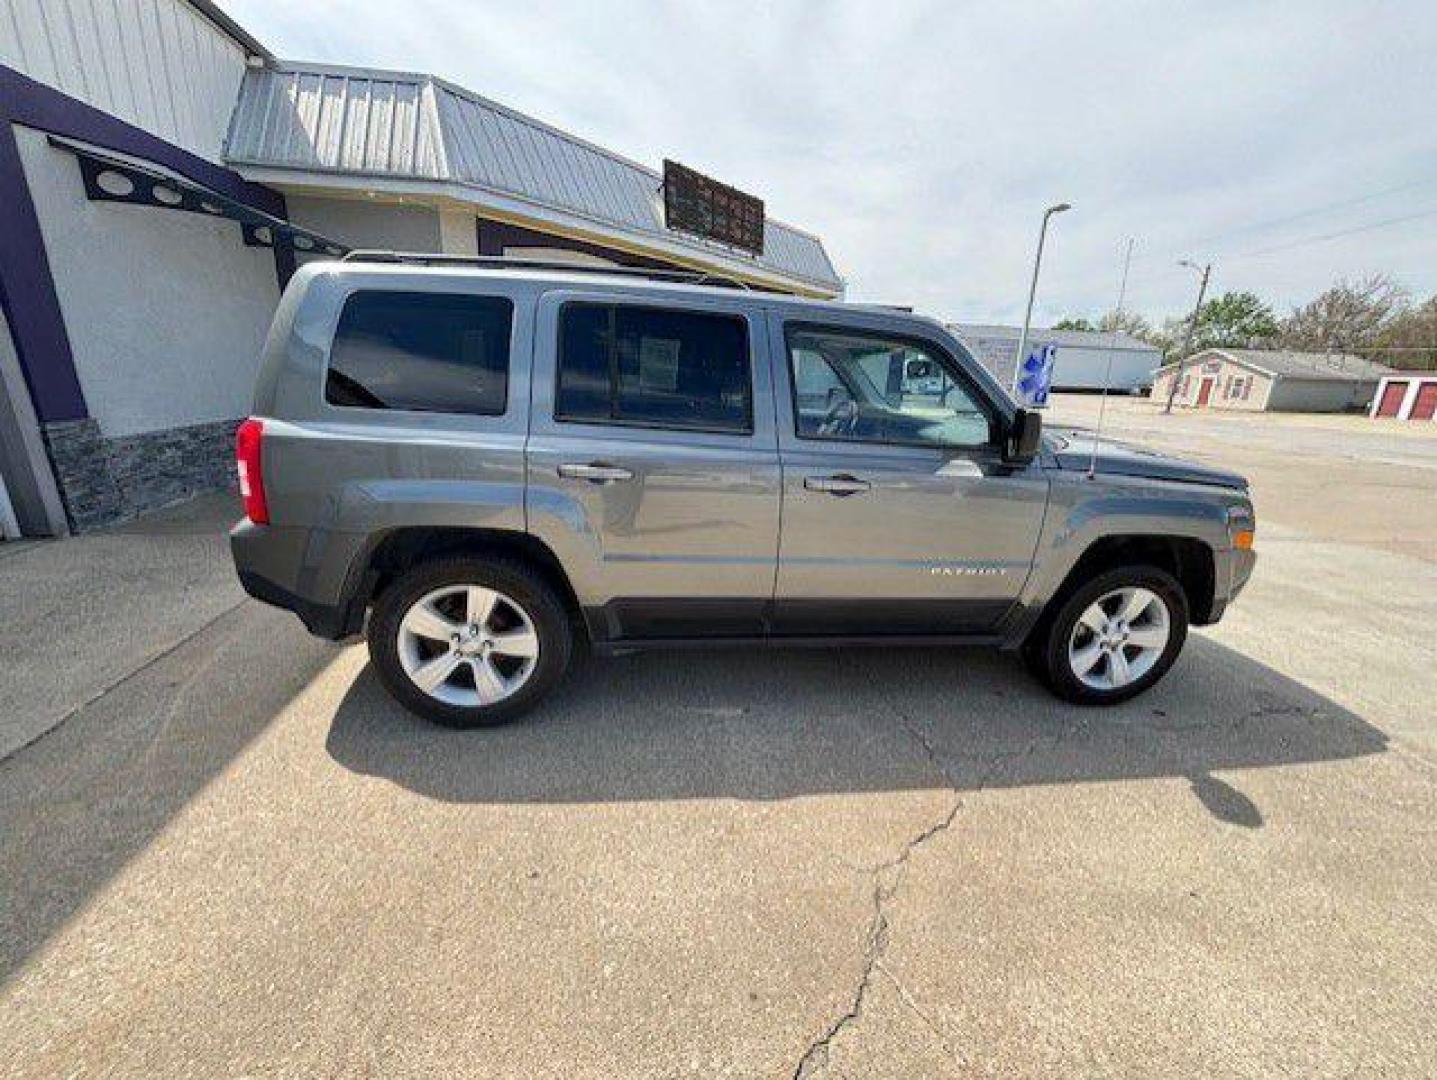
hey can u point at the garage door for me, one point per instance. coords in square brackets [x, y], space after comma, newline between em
[1392, 399]
[1426, 404]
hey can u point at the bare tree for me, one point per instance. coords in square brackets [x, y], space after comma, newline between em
[1127, 322]
[1409, 340]
[1349, 317]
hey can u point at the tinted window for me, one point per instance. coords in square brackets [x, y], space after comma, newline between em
[432, 352]
[654, 367]
[866, 388]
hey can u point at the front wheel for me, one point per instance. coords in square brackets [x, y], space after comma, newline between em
[1114, 637]
[469, 642]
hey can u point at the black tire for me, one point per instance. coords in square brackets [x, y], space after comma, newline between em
[528, 589]
[1047, 651]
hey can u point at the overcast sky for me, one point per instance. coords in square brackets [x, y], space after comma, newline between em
[922, 141]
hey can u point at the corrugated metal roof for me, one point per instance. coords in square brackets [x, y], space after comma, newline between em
[1073, 339]
[1302, 365]
[409, 126]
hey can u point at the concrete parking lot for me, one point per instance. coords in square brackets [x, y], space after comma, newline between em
[224, 851]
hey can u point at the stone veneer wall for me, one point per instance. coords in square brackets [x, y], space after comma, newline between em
[103, 481]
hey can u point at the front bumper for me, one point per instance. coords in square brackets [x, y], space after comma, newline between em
[1232, 569]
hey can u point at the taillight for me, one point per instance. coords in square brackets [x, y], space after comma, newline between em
[251, 478]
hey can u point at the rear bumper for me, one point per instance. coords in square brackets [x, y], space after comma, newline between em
[322, 620]
[281, 567]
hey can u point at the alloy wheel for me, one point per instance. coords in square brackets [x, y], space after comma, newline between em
[1119, 638]
[468, 645]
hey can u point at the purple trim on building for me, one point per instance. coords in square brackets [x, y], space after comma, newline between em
[25, 101]
[27, 288]
[27, 293]
[495, 237]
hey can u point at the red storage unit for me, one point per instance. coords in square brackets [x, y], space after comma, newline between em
[1425, 407]
[1392, 397]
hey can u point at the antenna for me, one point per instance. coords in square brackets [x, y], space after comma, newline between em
[1108, 373]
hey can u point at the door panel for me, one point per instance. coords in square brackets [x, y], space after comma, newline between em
[936, 543]
[665, 533]
[888, 539]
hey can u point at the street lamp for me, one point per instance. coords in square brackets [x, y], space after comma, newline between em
[1032, 291]
[1192, 328]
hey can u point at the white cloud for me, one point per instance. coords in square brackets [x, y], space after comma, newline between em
[922, 141]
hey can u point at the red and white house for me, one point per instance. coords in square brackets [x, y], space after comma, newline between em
[1410, 395]
[1271, 380]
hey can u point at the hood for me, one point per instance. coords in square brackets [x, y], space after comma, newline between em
[1074, 450]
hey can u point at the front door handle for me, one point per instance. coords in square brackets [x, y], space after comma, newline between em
[836, 485]
[595, 472]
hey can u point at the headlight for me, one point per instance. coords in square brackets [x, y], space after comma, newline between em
[1241, 527]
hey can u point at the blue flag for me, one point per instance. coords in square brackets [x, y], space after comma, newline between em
[1035, 377]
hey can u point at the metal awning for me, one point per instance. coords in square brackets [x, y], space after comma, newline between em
[110, 178]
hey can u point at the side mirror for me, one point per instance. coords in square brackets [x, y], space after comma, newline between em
[1025, 436]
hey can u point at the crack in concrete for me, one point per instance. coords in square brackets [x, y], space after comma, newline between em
[888, 878]
[906, 996]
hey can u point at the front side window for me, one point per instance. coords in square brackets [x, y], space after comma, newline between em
[863, 387]
[428, 352]
[654, 367]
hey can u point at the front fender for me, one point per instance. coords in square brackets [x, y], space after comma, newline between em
[1083, 511]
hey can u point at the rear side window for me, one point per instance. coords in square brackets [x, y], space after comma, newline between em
[429, 352]
[654, 367]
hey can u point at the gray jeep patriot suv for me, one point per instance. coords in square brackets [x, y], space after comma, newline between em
[498, 463]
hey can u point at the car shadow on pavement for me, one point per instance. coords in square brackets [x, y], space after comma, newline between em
[776, 724]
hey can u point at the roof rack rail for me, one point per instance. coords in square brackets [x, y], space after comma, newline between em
[505, 262]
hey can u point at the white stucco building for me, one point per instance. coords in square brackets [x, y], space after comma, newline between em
[161, 172]
[1083, 360]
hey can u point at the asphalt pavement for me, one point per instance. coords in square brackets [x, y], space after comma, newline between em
[225, 851]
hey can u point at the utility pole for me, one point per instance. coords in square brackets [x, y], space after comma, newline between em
[1032, 291]
[1192, 328]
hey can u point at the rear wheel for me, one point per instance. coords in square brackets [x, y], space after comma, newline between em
[1114, 637]
[469, 642]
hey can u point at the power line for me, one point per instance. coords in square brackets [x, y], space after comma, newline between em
[1301, 215]
[1304, 241]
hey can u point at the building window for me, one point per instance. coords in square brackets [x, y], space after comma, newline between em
[1247, 388]
[427, 352]
[654, 367]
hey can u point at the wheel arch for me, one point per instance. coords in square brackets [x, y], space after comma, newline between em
[1190, 560]
[395, 551]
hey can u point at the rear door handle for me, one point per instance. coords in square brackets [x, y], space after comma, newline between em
[836, 485]
[595, 472]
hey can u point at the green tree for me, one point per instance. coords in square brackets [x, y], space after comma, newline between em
[1128, 322]
[1234, 320]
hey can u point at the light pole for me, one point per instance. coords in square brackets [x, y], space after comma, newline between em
[1192, 328]
[1032, 291]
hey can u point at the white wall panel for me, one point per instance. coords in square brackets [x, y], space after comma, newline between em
[158, 64]
[166, 311]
